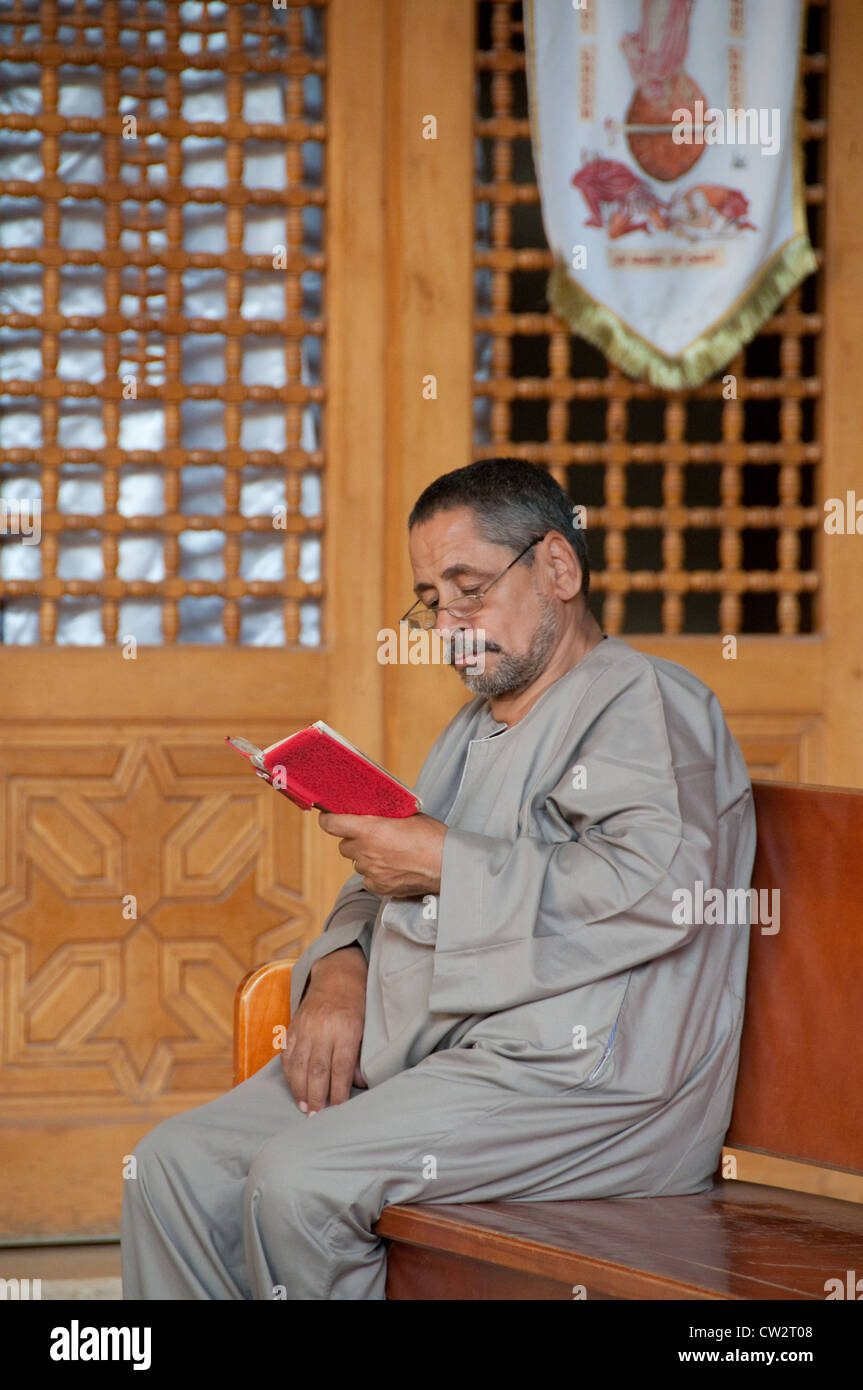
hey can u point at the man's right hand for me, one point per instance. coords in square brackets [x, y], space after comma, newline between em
[321, 1055]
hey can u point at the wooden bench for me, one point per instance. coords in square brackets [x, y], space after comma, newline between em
[785, 1214]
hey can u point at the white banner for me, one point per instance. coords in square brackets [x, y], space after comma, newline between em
[670, 173]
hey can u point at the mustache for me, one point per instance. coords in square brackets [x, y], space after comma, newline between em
[486, 647]
[466, 640]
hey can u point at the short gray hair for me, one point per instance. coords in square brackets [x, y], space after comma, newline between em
[513, 502]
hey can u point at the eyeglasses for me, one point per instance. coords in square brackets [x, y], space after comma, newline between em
[425, 615]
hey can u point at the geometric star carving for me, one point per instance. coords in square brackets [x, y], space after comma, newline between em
[141, 1023]
[144, 804]
[134, 899]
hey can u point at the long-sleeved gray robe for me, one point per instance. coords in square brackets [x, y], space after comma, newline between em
[542, 1029]
[569, 833]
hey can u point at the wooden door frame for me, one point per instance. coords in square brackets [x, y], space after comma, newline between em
[355, 310]
[430, 242]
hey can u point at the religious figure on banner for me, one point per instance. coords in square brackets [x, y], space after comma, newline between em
[656, 56]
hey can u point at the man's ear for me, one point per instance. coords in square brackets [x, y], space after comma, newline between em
[564, 562]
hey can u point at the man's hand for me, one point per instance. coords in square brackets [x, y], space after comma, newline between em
[397, 857]
[320, 1058]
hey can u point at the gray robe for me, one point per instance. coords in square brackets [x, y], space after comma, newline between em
[544, 1028]
[553, 940]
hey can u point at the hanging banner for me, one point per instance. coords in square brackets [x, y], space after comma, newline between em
[670, 174]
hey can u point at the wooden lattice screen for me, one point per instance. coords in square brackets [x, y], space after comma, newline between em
[700, 514]
[167, 228]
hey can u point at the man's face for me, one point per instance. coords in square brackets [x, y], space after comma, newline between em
[519, 621]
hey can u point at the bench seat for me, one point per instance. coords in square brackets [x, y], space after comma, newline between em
[739, 1241]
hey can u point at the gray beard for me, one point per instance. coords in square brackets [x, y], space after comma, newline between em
[514, 673]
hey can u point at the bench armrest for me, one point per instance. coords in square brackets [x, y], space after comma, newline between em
[262, 1004]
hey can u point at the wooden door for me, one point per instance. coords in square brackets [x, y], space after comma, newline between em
[144, 869]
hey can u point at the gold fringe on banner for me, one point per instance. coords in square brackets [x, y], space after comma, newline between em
[719, 343]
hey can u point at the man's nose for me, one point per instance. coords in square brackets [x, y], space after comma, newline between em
[446, 624]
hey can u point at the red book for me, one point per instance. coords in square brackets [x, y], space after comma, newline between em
[318, 768]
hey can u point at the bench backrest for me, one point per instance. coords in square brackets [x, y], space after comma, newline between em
[800, 1082]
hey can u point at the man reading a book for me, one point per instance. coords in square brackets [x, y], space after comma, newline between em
[507, 1001]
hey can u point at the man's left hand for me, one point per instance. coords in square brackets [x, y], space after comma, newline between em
[397, 857]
